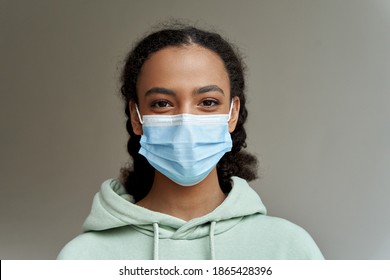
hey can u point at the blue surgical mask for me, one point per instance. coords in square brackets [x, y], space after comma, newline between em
[185, 148]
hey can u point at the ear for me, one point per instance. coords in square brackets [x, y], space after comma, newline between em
[235, 114]
[135, 121]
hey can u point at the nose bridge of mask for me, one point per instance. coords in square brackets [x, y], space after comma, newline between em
[141, 121]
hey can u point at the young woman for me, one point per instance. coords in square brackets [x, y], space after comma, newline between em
[186, 194]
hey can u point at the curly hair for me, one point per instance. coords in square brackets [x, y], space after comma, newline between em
[138, 177]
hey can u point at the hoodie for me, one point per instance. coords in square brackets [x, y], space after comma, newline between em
[237, 229]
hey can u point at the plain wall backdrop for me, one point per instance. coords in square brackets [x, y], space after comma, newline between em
[318, 100]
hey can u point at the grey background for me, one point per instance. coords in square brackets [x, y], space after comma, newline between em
[319, 98]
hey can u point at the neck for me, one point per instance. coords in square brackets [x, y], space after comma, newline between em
[185, 203]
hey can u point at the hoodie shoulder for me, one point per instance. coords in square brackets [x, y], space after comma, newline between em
[299, 242]
[114, 244]
[88, 246]
[278, 238]
[77, 249]
[274, 237]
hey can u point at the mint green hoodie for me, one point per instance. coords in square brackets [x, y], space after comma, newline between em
[238, 229]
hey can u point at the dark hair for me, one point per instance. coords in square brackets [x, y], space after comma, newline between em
[139, 177]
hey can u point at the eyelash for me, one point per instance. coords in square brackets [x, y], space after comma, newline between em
[215, 102]
[157, 104]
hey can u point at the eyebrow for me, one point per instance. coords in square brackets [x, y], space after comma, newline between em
[156, 90]
[209, 88]
[205, 89]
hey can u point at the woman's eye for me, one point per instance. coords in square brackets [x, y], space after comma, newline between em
[160, 104]
[209, 103]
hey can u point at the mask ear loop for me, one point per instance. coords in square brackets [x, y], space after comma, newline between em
[139, 115]
[231, 108]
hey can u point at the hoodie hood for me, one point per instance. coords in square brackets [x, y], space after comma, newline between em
[113, 207]
[238, 228]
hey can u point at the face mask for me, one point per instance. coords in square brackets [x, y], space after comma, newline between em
[185, 147]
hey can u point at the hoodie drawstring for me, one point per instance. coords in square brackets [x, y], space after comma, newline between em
[212, 244]
[156, 240]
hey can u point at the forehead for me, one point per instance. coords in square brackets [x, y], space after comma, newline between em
[185, 62]
[186, 51]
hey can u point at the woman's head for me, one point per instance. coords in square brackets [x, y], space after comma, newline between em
[179, 41]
